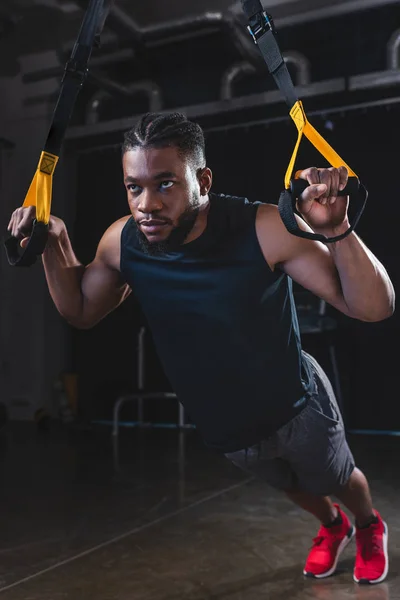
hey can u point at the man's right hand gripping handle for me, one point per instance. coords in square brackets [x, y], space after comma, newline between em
[63, 271]
[83, 295]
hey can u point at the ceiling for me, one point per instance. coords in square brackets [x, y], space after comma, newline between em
[31, 26]
[41, 20]
[160, 11]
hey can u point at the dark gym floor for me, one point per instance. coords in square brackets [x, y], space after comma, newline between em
[79, 523]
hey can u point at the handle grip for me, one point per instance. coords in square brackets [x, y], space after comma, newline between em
[18, 257]
[287, 208]
[297, 187]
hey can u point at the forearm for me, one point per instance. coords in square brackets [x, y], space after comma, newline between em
[64, 276]
[366, 286]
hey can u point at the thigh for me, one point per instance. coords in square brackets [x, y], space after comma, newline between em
[315, 442]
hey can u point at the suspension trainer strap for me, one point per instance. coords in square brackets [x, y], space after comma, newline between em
[263, 32]
[40, 190]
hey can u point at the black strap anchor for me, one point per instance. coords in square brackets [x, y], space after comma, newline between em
[40, 190]
[262, 29]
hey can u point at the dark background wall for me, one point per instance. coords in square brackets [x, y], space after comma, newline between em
[251, 162]
[246, 159]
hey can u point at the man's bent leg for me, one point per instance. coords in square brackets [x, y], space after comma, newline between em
[321, 507]
[333, 536]
[372, 562]
[356, 496]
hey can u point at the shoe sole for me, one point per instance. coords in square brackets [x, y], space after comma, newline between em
[345, 542]
[385, 572]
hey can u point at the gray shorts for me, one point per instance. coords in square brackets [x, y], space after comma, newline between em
[310, 453]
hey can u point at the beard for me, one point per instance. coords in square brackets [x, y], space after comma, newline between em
[177, 236]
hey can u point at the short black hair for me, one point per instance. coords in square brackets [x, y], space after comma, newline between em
[158, 130]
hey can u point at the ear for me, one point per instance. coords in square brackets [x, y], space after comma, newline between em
[205, 180]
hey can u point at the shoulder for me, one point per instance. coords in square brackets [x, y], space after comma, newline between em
[267, 218]
[276, 243]
[227, 201]
[235, 213]
[109, 248]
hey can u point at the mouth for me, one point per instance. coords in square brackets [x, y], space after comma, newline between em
[154, 226]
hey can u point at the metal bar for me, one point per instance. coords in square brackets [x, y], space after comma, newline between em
[315, 113]
[181, 415]
[100, 80]
[269, 121]
[374, 432]
[117, 407]
[137, 397]
[392, 50]
[334, 9]
[336, 377]
[141, 372]
[112, 57]
[374, 80]
[149, 88]
[162, 32]
[196, 111]
[107, 84]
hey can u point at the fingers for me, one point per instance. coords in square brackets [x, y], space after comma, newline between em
[325, 184]
[25, 224]
[314, 192]
[331, 179]
[311, 175]
[343, 177]
[20, 224]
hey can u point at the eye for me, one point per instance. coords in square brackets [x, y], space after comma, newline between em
[132, 187]
[165, 185]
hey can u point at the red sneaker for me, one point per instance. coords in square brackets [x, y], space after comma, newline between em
[328, 546]
[372, 563]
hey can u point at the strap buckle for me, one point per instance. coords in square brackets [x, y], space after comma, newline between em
[76, 69]
[260, 24]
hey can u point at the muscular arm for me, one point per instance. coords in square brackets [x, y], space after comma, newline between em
[82, 294]
[347, 275]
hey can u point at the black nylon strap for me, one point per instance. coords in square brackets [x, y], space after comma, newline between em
[263, 32]
[76, 71]
[251, 8]
[36, 245]
[287, 207]
[277, 67]
[74, 76]
[262, 29]
[285, 84]
[270, 51]
[92, 25]
[70, 89]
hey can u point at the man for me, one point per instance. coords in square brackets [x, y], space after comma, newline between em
[213, 275]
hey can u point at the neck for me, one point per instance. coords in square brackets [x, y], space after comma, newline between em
[201, 221]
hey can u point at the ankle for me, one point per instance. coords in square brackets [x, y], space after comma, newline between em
[335, 518]
[365, 521]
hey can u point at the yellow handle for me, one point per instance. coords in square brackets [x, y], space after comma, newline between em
[40, 190]
[304, 127]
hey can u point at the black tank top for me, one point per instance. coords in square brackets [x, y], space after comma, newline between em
[224, 326]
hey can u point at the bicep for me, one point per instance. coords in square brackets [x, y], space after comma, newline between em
[313, 268]
[307, 262]
[102, 290]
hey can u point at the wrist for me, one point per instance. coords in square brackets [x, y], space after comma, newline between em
[58, 247]
[334, 231]
[57, 234]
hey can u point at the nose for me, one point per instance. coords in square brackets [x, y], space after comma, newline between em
[149, 202]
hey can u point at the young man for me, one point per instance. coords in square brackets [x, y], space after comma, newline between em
[213, 275]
